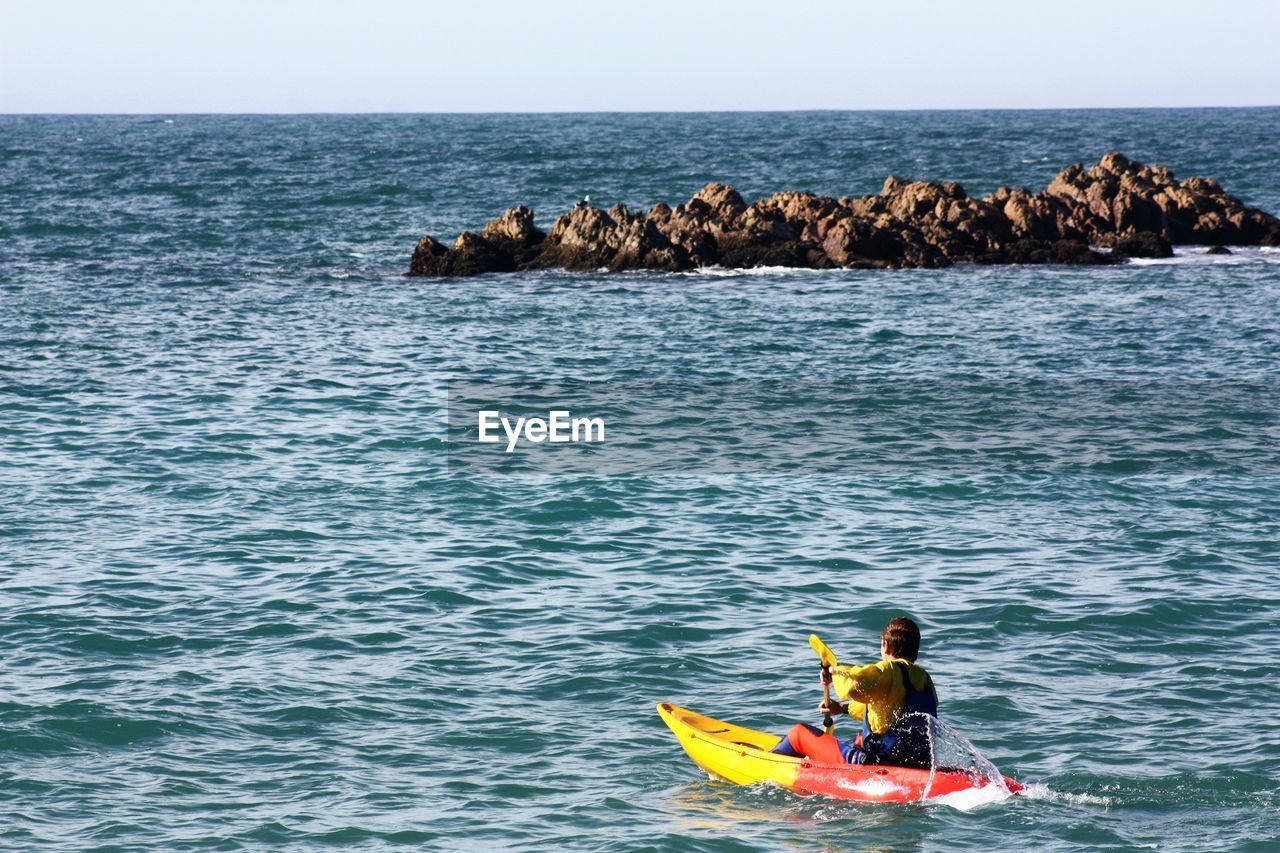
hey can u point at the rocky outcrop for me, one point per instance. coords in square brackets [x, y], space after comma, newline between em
[1133, 210]
[1118, 198]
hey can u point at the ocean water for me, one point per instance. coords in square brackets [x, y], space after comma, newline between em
[245, 602]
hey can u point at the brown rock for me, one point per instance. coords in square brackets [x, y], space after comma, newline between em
[1144, 244]
[473, 255]
[428, 258]
[856, 241]
[1124, 198]
[1071, 252]
[1038, 217]
[964, 229]
[515, 234]
[589, 238]
[724, 203]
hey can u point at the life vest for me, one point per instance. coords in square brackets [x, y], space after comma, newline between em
[906, 743]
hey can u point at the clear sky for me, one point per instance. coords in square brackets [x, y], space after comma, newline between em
[553, 55]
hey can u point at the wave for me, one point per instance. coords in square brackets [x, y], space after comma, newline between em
[1040, 791]
[1199, 256]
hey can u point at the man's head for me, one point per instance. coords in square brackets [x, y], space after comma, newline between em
[900, 639]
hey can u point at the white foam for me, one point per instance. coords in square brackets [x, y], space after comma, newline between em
[1182, 255]
[969, 799]
[737, 272]
[1038, 791]
[1199, 256]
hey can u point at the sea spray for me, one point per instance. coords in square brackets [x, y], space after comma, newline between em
[952, 752]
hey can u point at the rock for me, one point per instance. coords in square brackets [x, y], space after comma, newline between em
[796, 208]
[857, 241]
[1218, 250]
[589, 238]
[1119, 197]
[738, 251]
[1071, 252]
[515, 234]
[473, 255]
[766, 223]
[962, 228]
[1038, 217]
[724, 203]
[428, 258]
[1143, 244]
[1137, 211]
[516, 225]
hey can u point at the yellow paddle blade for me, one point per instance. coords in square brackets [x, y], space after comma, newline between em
[827, 656]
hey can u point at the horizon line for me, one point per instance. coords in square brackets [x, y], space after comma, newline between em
[8, 113]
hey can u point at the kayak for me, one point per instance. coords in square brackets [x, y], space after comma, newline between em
[742, 756]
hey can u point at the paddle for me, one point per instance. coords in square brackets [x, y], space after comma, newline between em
[828, 659]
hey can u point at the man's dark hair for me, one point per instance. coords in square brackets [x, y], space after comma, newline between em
[901, 638]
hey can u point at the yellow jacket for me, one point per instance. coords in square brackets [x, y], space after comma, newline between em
[876, 692]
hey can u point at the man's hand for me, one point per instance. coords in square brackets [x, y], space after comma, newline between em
[825, 676]
[832, 708]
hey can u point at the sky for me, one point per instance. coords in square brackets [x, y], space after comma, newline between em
[282, 56]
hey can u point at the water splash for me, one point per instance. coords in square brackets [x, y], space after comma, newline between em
[952, 752]
[1040, 791]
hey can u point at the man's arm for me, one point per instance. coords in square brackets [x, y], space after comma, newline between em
[860, 683]
[857, 710]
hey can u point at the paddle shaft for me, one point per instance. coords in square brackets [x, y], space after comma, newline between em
[828, 724]
[828, 659]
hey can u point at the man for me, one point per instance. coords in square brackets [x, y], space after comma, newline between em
[893, 698]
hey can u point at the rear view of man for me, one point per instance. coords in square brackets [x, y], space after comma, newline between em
[889, 697]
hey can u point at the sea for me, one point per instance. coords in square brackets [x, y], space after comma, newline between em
[247, 601]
